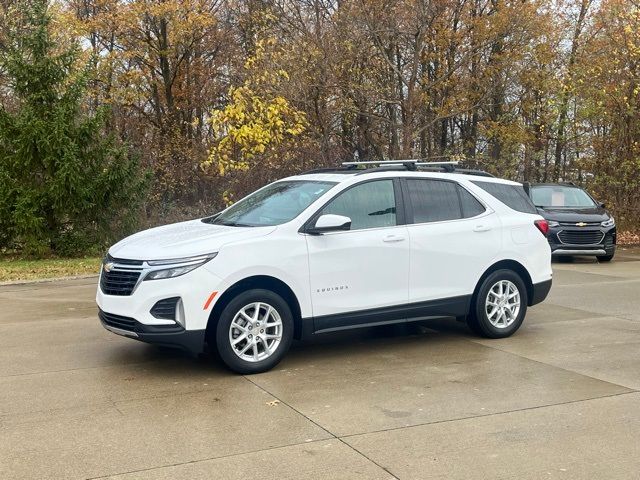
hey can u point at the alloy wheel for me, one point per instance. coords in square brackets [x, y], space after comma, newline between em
[255, 332]
[502, 304]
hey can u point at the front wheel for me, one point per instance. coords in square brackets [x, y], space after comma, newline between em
[499, 306]
[254, 331]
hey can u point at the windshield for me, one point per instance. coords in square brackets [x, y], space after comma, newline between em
[560, 197]
[274, 204]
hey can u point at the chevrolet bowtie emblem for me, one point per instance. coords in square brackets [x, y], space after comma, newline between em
[107, 267]
[581, 224]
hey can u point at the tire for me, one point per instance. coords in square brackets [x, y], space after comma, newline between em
[261, 352]
[605, 258]
[507, 319]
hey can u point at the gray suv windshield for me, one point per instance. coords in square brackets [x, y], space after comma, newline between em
[560, 196]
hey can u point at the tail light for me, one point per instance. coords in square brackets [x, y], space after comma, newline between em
[543, 226]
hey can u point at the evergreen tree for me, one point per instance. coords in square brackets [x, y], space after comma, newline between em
[66, 184]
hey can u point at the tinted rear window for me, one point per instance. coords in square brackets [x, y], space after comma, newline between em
[433, 200]
[512, 196]
[470, 206]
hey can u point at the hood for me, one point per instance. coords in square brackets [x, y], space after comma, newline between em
[588, 215]
[183, 239]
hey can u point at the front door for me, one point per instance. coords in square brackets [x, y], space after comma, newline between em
[354, 274]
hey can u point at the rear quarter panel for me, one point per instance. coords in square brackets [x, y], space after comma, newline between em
[521, 239]
[524, 243]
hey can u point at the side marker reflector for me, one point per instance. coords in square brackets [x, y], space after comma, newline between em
[209, 300]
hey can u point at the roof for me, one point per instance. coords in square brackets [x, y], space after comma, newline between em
[557, 184]
[323, 177]
[344, 176]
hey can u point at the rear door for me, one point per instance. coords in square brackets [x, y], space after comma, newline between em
[453, 236]
[356, 274]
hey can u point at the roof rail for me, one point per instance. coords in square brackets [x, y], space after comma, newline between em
[409, 164]
[466, 171]
[328, 170]
[446, 166]
[369, 166]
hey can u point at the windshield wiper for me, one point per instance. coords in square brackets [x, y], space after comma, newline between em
[210, 220]
[231, 224]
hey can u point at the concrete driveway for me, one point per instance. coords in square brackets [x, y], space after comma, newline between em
[560, 399]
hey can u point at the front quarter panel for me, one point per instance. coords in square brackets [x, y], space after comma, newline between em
[282, 255]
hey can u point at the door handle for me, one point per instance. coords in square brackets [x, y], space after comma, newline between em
[393, 238]
[481, 228]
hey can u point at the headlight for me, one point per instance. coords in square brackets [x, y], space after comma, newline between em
[609, 223]
[553, 223]
[177, 266]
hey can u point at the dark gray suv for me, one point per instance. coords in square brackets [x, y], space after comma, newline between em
[578, 224]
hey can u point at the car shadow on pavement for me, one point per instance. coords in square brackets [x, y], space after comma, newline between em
[158, 359]
[576, 260]
[377, 340]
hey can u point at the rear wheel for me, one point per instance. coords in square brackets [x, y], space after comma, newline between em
[255, 331]
[499, 306]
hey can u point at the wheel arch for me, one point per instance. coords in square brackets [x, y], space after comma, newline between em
[512, 265]
[266, 282]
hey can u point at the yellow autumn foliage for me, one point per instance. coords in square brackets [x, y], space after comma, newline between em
[257, 122]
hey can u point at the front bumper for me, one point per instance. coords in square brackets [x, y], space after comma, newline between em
[596, 241]
[191, 341]
[132, 315]
[193, 289]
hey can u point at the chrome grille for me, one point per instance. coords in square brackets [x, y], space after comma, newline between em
[119, 282]
[586, 224]
[581, 237]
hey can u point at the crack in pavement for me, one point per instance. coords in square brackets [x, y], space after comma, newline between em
[343, 437]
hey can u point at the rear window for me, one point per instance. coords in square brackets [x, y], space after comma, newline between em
[470, 206]
[513, 196]
[433, 201]
[438, 200]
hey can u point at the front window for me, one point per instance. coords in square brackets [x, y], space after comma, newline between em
[368, 205]
[560, 196]
[274, 204]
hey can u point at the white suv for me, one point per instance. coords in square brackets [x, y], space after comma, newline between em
[327, 251]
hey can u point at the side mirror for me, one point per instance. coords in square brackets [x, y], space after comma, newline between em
[330, 223]
[602, 204]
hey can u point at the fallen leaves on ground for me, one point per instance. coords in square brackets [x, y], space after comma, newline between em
[629, 238]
